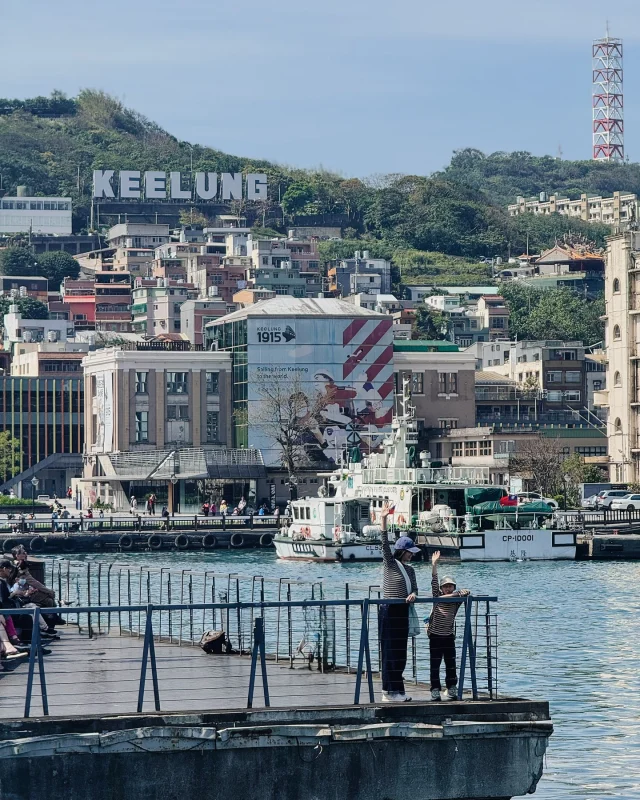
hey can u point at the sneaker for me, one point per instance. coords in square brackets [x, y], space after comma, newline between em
[389, 697]
[403, 698]
[13, 656]
[435, 695]
[452, 693]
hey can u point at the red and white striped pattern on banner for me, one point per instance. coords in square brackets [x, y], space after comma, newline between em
[369, 352]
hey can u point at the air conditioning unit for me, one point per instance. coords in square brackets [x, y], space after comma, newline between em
[53, 336]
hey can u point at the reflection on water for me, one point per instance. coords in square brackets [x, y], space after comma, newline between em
[568, 632]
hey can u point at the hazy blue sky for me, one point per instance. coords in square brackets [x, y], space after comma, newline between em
[358, 86]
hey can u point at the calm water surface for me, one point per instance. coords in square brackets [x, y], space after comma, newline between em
[568, 632]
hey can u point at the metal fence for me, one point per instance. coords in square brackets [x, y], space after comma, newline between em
[255, 628]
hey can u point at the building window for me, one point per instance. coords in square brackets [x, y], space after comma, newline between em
[498, 322]
[438, 450]
[213, 383]
[486, 448]
[447, 382]
[617, 425]
[177, 412]
[142, 426]
[616, 333]
[447, 424]
[507, 446]
[417, 382]
[593, 450]
[572, 396]
[470, 449]
[617, 380]
[616, 286]
[212, 426]
[141, 382]
[176, 382]
[573, 377]
[456, 450]
[554, 377]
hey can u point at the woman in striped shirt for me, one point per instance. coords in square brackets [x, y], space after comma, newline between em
[399, 581]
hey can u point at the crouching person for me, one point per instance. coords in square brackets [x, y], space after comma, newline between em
[441, 633]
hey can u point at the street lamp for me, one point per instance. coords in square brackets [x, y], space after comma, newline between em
[173, 480]
[565, 480]
[34, 486]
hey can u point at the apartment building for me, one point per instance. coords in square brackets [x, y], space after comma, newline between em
[606, 210]
[157, 303]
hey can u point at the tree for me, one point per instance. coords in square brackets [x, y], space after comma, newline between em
[17, 261]
[10, 452]
[193, 218]
[576, 472]
[290, 415]
[538, 459]
[57, 265]
[297, 196]
[27, 306]
[428, 324]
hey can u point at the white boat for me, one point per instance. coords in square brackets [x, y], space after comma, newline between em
[433, 504]
[330, 529]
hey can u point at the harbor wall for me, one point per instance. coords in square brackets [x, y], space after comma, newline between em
[470, 751]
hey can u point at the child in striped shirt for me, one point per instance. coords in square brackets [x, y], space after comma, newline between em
[440, 630]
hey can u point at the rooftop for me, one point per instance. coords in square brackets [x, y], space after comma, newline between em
[285, 306]
[425, 346]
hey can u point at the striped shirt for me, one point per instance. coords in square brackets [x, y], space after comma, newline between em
[393, 582]
[443, 615]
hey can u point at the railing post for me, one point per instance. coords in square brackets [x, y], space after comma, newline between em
[258, 651]
[148, 647]
[364, 654]
[465, 645]
[36, 652]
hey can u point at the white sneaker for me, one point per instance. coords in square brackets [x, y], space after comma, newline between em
[435, 694]
[452, 693]
[389, 697]
[401, 697]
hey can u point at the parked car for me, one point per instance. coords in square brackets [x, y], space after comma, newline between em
[606, 498]
[534, 497]
[630, 502]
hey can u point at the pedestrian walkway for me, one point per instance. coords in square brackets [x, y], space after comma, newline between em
[101, 675]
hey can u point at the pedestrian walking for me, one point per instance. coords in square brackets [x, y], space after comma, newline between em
[205, 508]
[399, 582]
[134, 505]
[223, 508]
[441, 632]
[153, 499]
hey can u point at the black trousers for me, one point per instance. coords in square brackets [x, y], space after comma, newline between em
[442, 647]
[393, 629]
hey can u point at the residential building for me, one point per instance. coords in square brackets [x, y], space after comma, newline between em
[20, 330]
[340, 274]
[79, 296]
[606, 210]
[621, 398]
[25, 286]
[442, 383]
[136, 260]
[467, 293]
[138, 235]
[249, 297]
[113, 301]
[48, 359]
[196, 313]
[155, 415]
[50, 215]
[156, 304]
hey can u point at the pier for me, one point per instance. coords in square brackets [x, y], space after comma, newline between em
[127, 693]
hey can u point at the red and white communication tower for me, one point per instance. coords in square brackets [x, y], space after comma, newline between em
[608, 107]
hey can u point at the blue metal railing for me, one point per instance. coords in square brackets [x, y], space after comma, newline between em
[258, 649]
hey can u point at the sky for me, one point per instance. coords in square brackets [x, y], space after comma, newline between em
[359, 87]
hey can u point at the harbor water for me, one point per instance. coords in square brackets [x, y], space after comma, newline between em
[568, 632]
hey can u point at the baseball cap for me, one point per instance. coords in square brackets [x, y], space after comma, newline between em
[406, 543]
[447, 579]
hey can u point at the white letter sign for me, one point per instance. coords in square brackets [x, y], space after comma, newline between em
[256, 186]
[155, 185]
[130, 184]
[177, 192]
[206, 185]
[232, 186]
[102, 183]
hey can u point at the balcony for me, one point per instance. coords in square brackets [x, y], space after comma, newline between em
[601, 398]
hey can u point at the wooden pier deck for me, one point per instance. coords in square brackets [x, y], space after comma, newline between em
[101, 676]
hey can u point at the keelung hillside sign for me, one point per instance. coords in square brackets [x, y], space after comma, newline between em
[154, 185]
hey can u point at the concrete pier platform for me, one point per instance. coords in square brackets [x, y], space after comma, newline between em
[313, 743]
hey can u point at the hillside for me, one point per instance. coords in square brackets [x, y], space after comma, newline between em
[437, 227]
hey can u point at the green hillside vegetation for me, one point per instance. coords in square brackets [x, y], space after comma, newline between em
[435, 227]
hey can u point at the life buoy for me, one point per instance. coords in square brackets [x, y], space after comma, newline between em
[337, 533]
[68, 545]
[266, 540]
[401, 520]
[209, 541]
[97, 543]
[125, 542]
[154, 542]
[181, 541]
[8, 545]
[237, 540]
[36, 545]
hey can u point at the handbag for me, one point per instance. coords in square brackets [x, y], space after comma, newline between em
[414, 623]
